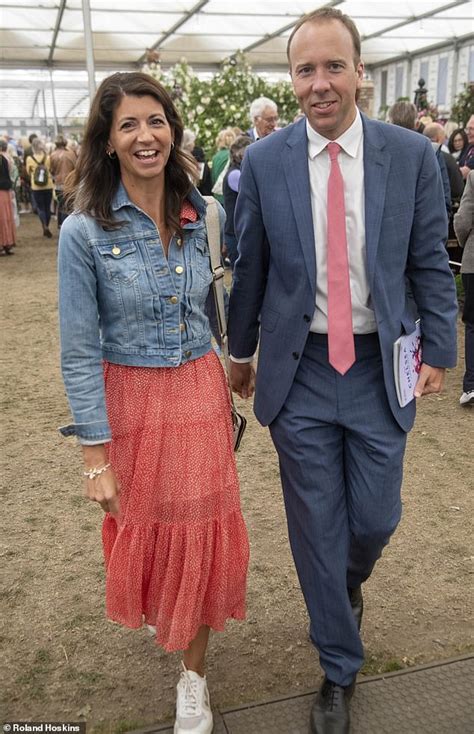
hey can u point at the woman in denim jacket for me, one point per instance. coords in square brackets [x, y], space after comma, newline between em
[147, 392]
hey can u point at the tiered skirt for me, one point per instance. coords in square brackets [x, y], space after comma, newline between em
[177, 556]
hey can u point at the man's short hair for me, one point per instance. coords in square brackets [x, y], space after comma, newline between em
[434, 131]
[403, 114]
[325, 14]
[60, 142]
[258, 105]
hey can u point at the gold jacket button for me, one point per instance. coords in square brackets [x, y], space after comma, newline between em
[188, 353]
[182, 327]
[179, 241]
[174, 299]
[179, 269]
[116, 250]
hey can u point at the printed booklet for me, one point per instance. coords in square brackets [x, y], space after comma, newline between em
[407, 364]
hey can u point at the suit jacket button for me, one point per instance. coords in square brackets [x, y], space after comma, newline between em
[307, 318]
[296, 355]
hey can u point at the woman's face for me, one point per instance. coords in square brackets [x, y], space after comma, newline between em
[141, 137]
[458, 142]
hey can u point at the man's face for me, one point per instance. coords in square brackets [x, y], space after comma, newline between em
[266, 122]
[470, 130]
[325, 76]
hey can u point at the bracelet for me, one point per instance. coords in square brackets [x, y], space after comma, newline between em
[96, 471]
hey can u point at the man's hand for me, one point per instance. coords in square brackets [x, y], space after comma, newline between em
[242, 378]
[465, 171]
[430, 380]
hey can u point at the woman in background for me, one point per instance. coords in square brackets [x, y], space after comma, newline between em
[231, 188]
[457, 142]
[464, 228]
[220, 161]
[7, 223]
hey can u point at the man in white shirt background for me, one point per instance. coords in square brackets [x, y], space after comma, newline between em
[263, 115]
[335, 215]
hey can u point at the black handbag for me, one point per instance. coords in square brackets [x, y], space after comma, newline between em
[239, 421]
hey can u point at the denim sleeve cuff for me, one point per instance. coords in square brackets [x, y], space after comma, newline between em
[88, 433]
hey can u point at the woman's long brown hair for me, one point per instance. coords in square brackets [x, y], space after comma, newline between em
[91, 186]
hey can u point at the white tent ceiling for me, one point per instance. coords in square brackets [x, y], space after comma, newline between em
[43, 42]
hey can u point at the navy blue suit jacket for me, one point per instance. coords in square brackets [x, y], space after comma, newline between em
[273, 295]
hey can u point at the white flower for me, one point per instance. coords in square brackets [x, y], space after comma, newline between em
[199, 109]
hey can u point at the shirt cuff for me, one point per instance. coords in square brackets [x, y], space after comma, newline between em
[242, 360]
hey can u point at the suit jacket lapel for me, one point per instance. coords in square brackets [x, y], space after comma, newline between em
[295, 166]
[376, 170]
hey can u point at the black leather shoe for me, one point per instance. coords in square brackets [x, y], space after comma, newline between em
[330, 712]
[357, 604]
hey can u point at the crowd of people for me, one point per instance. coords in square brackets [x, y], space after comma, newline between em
[33, 172]
[336, 232]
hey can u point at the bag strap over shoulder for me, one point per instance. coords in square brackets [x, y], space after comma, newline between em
[214, 241]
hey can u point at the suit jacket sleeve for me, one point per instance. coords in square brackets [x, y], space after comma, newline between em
[431, 280]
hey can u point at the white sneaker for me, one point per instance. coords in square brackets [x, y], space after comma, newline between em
[467, 398]
[193, 710]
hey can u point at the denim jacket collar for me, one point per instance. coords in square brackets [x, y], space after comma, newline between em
[121, 199]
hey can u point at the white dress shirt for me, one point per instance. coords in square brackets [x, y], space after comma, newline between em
[351, 163]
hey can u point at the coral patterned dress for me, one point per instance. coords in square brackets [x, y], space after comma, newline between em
[177, 557]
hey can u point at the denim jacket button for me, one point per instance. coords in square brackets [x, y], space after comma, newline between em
[174, 299]
[188, 353]
[116, 250]
[179, 269]
[179, 241]
[182, 327]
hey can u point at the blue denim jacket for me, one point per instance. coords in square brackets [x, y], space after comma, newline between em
[122, 300]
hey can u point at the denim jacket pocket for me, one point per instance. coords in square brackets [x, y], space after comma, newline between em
[120, 261]
[202, 258]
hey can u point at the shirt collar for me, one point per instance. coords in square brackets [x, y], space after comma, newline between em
[349, 140]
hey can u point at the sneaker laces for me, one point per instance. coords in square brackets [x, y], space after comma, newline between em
[190, 688]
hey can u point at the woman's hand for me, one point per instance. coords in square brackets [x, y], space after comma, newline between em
[103, 488]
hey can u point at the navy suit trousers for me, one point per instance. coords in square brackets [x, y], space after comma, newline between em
[341, 459]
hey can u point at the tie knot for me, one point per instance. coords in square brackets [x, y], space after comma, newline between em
[333, 150]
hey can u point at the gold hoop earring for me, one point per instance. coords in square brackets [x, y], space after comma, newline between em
[112, 154]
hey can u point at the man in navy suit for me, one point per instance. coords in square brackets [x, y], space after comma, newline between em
[338, 428]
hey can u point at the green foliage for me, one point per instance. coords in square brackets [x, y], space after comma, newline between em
[463, 106]
[459, 287]
[208, 105]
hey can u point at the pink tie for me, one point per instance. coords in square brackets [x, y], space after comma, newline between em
[340, 334]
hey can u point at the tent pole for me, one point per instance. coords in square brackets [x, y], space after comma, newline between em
[45, 114]
[53, 99]
[86, 13]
